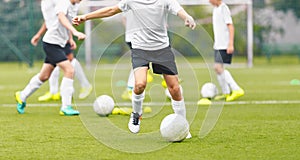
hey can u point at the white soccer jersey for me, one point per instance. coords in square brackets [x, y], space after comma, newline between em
[149, 18]
[56, 32]
[72, 11]
[221, 17]
[128, 24]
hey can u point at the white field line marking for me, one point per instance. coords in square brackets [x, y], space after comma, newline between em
[126, 104]
[183, 65]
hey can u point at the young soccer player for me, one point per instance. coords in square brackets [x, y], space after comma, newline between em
[53, 93]
[224, 47]
[127, 20]
[150, 43]
[127, 94]
[54, 43]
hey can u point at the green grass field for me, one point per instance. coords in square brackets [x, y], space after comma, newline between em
[264, 124]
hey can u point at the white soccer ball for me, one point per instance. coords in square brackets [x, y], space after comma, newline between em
[209, 90]
[103, 105]
[174, 128]
[167, 93]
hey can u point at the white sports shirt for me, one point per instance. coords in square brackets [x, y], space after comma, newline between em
[128, 24]
[149, 18]
[56, 32]
[221, 17]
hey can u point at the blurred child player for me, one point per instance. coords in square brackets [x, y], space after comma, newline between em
[224, 47]
[54, 42]
[53, 93]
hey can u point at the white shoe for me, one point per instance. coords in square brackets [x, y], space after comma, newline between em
[134, 122]
[188, 136]
[85, 92]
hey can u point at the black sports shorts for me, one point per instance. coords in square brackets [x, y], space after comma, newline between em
[221, 56]
[54, 53]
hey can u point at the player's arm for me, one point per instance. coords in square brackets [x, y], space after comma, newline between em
[71, 41]
[230, 48]
[100, 13]
[35, 39]
[188, 20]
[65, 22]
[124, 20]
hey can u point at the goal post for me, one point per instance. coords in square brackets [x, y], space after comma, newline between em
[102, 3]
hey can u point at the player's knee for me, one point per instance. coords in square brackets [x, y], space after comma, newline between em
[44, 78]
[174, 89]
[140, 87]
[175, 92]
[69, 72]
[218, 69]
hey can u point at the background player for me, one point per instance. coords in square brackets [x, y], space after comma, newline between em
[53, 93]
[224, 47]
[54, 42]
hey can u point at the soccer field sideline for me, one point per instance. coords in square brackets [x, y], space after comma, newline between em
[128, 104]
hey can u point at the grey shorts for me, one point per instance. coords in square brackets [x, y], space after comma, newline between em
[163, 60]
[221, 56]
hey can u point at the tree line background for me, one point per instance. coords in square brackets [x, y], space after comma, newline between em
[21, 19]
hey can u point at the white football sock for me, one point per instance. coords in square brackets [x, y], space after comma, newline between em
[131, 80]
[66, 91]
[230, 81]
[223, 84]
[34, 84]
[53, 81]
[79, 74]
[179, 107]
[137, 102]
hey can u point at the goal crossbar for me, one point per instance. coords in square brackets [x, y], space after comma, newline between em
[182, 2]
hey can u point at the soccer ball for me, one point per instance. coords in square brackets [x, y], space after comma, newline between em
[209, 90]
[167, 93]
[174, 128]
[104, 105]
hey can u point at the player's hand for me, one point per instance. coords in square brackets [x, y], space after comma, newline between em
[34, 40]
[73, 44]
[230, 49]
[79, 35]
[189, 22]
[79, 19]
